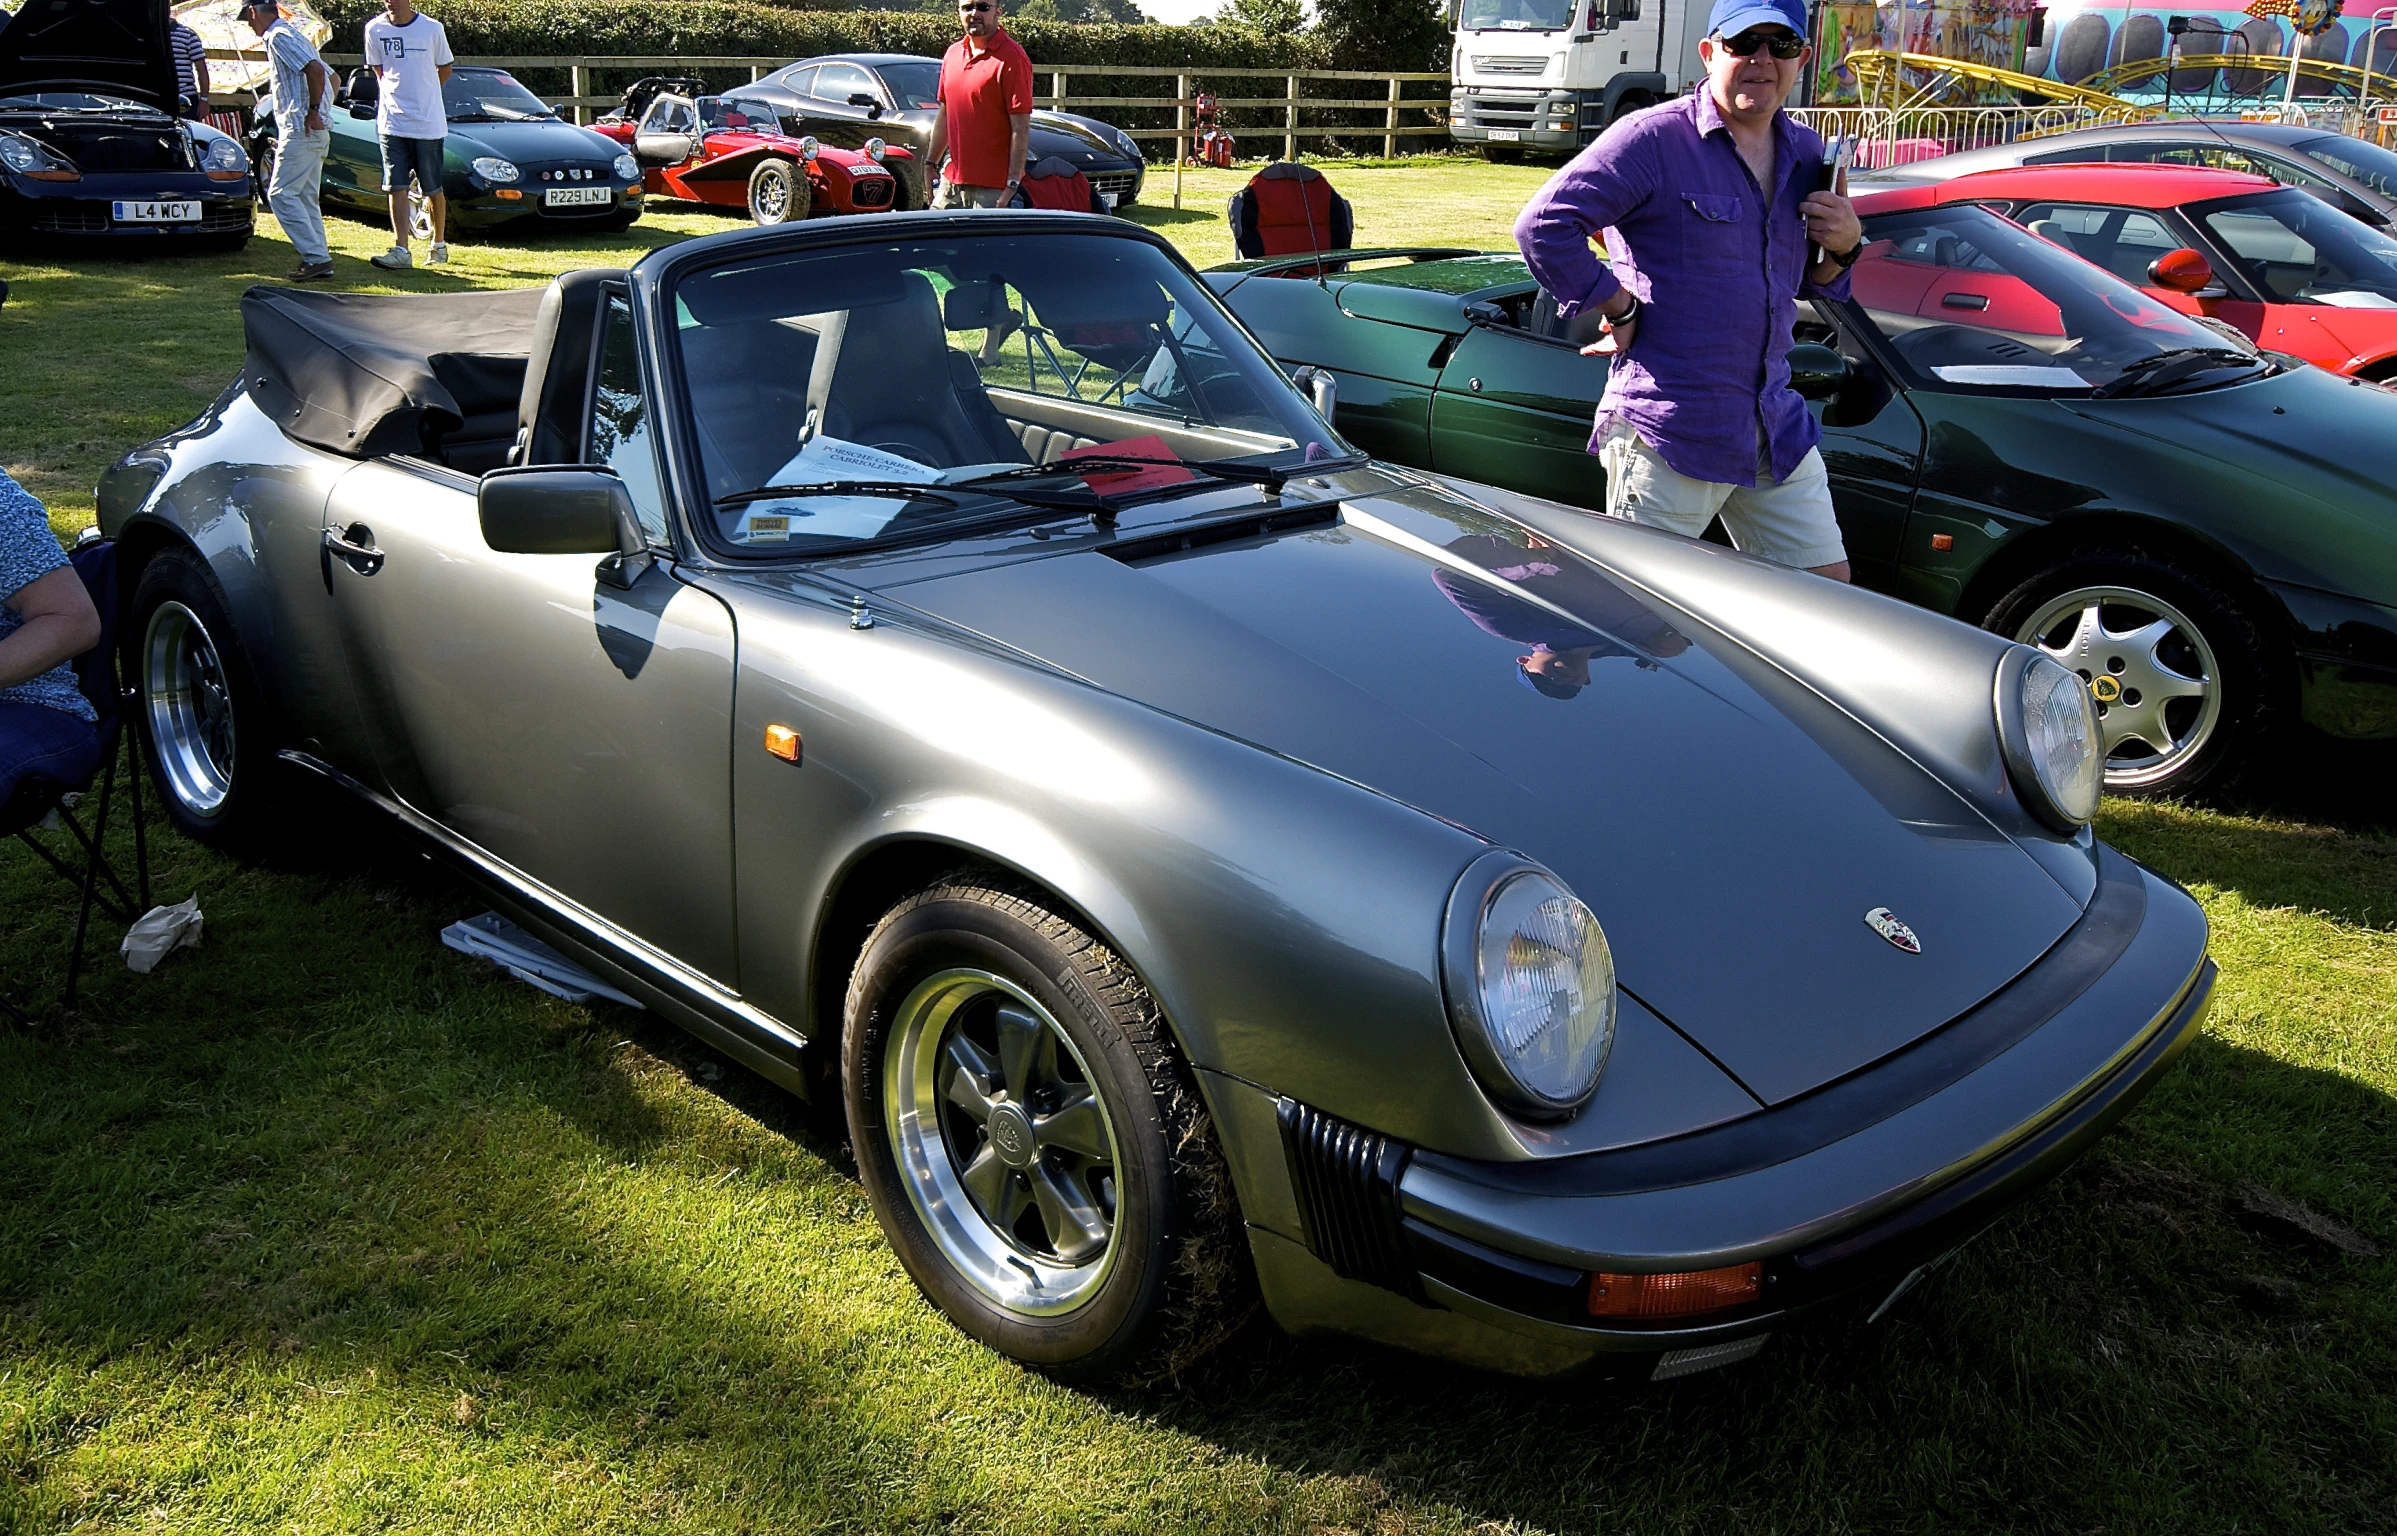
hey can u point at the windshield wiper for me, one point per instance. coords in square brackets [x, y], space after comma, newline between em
[901, 489]
[2170, 368]
[1242, 474]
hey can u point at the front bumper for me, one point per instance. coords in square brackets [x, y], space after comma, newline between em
[1839, 1193]
[84, 209]
[1529, 116]
[475, 205]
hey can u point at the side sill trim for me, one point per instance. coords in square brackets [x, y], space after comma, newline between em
[650, 969]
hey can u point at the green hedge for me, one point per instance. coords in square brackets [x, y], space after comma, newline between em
[649, 27]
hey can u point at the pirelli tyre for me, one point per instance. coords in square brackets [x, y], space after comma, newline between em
[1032, 1143]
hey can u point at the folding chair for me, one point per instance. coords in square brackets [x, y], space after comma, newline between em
[36, 798]
[1288, 209]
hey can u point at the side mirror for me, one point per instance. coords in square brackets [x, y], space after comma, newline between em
[2182, 271]
[1319, 387]
[1817, 372]
[361, 111]
[873, 107]
[1485, 313]
[564, 510]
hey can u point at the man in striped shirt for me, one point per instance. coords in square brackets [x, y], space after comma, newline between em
[191, 68]
[302, 85]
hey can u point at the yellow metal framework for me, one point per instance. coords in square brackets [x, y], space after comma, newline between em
[1881, 78]
[2273, 67]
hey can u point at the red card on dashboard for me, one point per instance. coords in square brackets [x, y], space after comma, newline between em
[1119, 482]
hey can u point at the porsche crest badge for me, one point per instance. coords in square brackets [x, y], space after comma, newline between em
[1885, 923]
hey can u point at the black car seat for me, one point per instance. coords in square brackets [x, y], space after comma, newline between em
[362, 89]
[557, 373]
[896, 385]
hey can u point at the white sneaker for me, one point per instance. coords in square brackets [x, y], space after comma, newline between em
[396, 259]
[438, 256]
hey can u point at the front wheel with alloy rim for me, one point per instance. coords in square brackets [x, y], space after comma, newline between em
[200, 714]
[778, 193]
[2181, 676]
[1033, 1145]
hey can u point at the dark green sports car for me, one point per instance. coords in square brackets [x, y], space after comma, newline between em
[2014, 437]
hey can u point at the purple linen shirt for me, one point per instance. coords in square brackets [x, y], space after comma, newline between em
[1719, 266]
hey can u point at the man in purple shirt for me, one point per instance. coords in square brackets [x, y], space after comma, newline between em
[1710, 211]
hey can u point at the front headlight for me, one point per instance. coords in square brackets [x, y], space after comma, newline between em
[1531, 987]
[495, 170]
[223, 155]
[807, 147]
[31, 157]
[2047, 726]
[874, 149]
[627, 167]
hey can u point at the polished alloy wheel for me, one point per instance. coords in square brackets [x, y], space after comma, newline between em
[769, 199]
[1003, 1145]
[2155, 680]
[190, 709]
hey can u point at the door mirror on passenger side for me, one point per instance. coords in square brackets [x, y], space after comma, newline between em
[873, 107]
[1483, 312]
[1817, 372]
[571, 510]
[1320, 389]
[2182, 271]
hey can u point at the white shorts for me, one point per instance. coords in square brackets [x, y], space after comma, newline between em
[1788, 522]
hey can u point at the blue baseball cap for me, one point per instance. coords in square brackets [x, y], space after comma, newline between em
[1732, 17]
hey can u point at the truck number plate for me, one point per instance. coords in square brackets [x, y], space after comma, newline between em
[575, 197]
[1506, 135]
[154, 213]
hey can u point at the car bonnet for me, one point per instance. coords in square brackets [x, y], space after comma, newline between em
[111, 47]
[1729, 827]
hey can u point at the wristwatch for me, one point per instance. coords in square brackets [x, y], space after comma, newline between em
[1848, 258]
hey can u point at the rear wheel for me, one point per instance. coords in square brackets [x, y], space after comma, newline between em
[1502, 154]
[778, 193]
[2182, 676]
[1031, 1141]
[202, 715]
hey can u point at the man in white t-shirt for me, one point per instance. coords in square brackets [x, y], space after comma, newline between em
[411, 59]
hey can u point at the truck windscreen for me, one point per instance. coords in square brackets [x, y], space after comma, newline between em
[1517, 15]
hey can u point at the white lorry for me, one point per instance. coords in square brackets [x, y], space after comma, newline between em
[1549, 75]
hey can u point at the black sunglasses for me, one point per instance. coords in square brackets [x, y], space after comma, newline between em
[1786, 45]
[975, 5]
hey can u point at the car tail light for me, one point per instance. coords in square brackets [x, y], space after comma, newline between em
[1676, 1295]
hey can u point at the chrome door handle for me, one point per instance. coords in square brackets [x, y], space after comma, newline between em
[354, 547]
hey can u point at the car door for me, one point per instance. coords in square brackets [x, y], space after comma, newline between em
[669, 133]
[576, 731]
[1872, 449]
[832, 116]
[1513, 407]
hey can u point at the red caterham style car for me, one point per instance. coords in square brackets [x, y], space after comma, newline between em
[705, 149]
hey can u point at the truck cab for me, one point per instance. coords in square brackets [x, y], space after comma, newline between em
[1550, 75]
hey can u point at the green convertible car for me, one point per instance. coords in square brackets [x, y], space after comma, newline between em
[2015, 437]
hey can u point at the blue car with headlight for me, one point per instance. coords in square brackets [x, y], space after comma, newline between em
[508, 159]
[90, 145]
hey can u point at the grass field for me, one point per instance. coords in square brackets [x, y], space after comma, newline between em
[323, 1228]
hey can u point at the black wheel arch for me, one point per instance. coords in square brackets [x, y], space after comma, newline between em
[2131, 533]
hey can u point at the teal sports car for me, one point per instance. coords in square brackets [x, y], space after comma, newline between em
[506, 160]
[2207, 534]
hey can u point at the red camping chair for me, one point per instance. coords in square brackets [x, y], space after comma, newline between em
[1288, 209]
[1054, 183]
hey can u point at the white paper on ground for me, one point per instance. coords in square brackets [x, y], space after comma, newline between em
[839, 517]
[492, 937]
[161, 931]
[2018, 375]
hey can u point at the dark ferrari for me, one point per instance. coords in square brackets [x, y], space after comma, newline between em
[89, 141]
[847, 98]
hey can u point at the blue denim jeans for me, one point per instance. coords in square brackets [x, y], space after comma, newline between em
[36, 739]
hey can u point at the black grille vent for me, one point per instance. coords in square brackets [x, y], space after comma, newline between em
[871, 192]
[1346, 1180]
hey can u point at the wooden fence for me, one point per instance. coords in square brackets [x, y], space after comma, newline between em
[1292, 107]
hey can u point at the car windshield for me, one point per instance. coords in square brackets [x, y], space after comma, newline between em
[721, 116]
[2355, 159]
[905, 371]
[1516, 15]
[916, 87]
[472, 95]
[1969, 301]
[2301, 250]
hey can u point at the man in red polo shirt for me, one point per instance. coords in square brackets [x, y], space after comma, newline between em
[985, 122]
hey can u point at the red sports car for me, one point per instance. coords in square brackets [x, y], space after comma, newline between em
[705, 149]
[2284, 268]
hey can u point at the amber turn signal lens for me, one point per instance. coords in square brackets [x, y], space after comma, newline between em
[1943, 541]
[508, 194]
[1682, 1295]
[783, 742]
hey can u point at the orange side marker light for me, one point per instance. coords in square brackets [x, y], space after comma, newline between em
[783, 742]
[1943, 541]
[1681, 1295]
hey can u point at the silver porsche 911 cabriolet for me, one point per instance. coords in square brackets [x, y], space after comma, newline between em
[943, 663]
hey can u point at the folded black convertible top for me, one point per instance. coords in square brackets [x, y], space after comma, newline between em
[366, 374]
